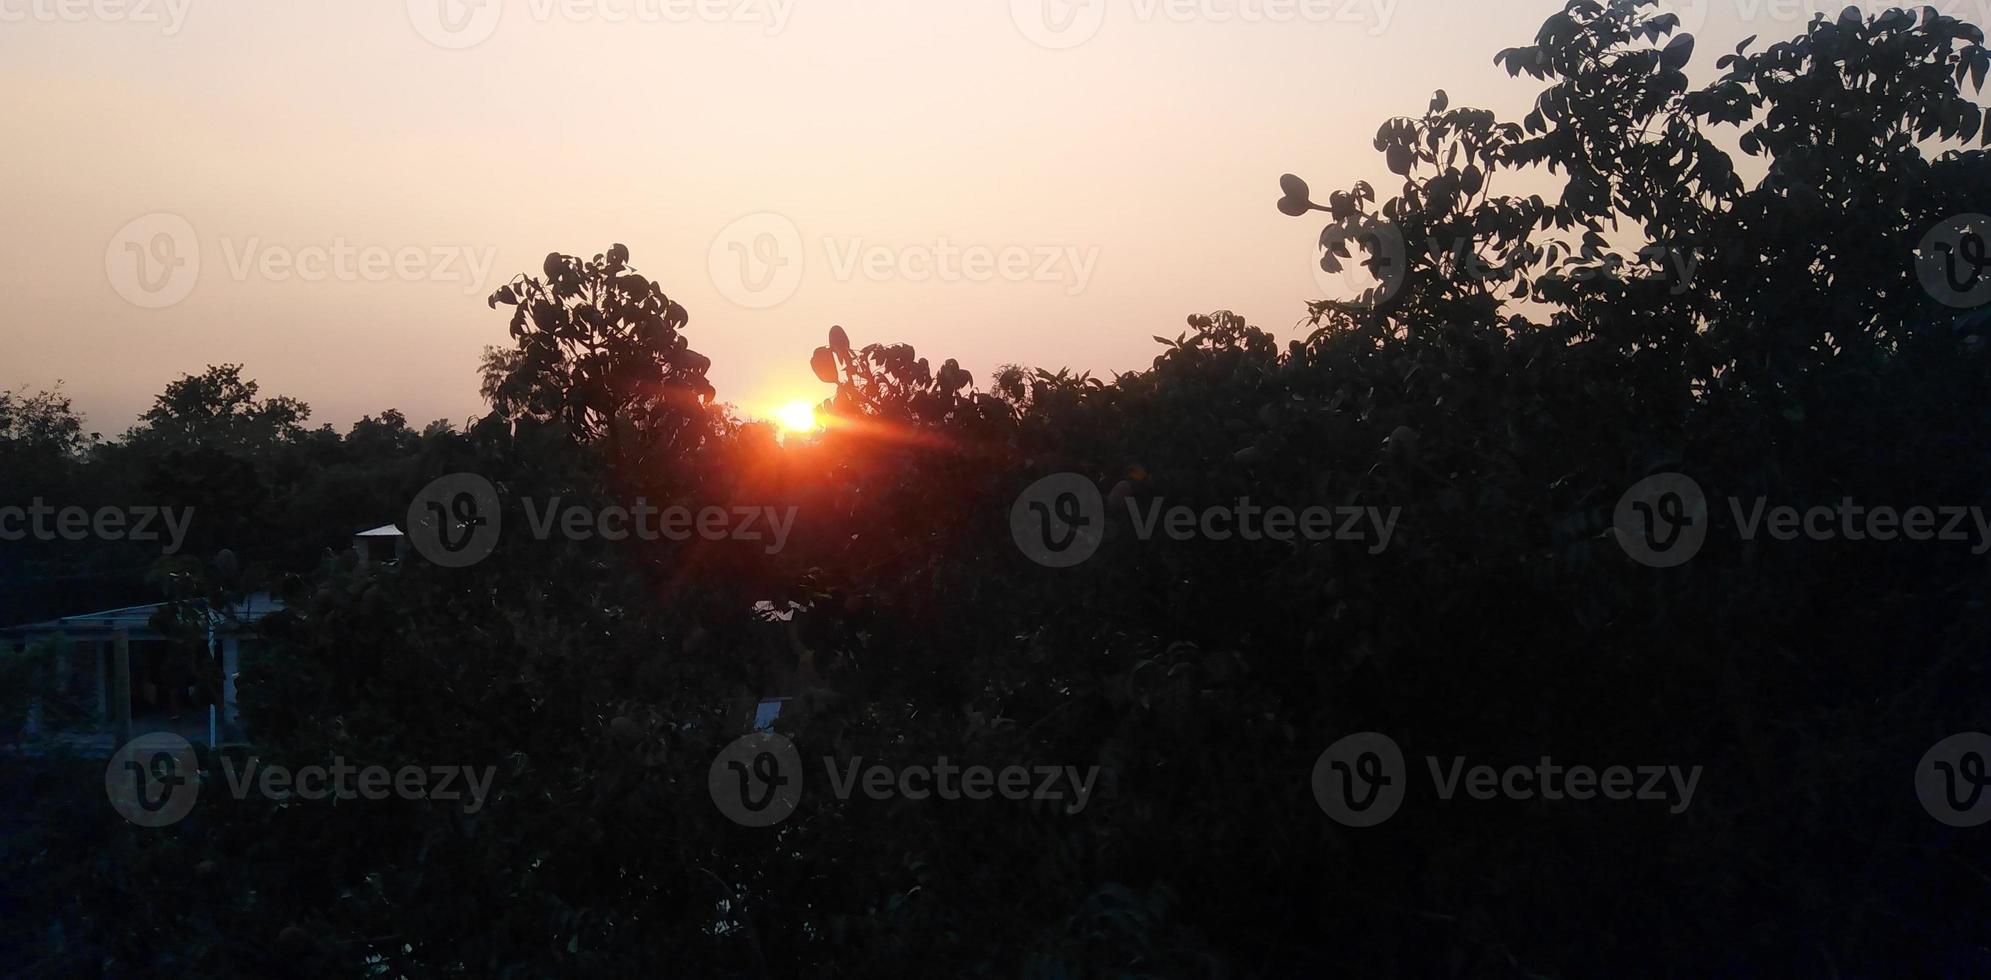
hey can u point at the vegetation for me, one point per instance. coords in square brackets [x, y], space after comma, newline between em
[1503, 403]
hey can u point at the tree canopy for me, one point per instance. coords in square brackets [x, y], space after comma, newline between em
[1725, 286]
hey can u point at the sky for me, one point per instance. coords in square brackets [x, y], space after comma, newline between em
[327, 192]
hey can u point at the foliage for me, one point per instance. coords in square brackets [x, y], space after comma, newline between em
[1502, 394]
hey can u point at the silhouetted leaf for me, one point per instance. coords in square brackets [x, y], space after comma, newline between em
[1399, 158]
[1677, 52]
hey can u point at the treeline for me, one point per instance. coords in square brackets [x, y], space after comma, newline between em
[246, 472]
[1504, 409]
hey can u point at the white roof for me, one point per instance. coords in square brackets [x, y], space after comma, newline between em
[383, 531]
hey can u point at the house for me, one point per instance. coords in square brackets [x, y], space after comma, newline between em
[383, 545]
[115, 672]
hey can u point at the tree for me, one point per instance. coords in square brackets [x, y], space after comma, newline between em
[1497, 393]
[600, 349]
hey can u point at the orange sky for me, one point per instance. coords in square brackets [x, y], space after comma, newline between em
[327, 192]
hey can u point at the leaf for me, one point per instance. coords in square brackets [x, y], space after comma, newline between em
[1298, 199]
[824, 364]
[1440, 101]
[1677, 52]
[1471, 179]
[839, 341]
[1399, 159]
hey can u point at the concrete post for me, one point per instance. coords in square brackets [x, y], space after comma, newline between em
[231, 664]
[101, 650]
[121, 685]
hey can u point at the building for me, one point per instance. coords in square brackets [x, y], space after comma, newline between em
[117, 672]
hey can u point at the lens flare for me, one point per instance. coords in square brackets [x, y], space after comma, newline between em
[797, 417]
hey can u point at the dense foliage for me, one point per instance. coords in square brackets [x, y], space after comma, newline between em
[1502, 396]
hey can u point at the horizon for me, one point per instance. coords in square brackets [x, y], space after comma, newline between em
[1015, 195]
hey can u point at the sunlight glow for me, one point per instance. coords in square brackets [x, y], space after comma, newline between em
[797, 417]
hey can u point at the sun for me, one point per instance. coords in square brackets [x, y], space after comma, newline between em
[797, 417]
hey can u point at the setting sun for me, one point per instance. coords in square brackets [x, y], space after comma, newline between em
[797, 417]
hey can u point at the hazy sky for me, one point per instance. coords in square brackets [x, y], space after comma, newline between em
[328, 191]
